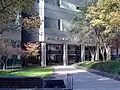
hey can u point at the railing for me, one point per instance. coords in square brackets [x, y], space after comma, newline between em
[69, 81]
[54, 84]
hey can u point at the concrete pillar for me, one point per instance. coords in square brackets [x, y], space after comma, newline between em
[43, 54]
[82, 52]
[65, 55]
[41, 15]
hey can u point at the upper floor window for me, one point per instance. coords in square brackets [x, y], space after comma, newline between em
[59, 24]
[38, 1]
[77, 8]
[51, 23]
[53, 2]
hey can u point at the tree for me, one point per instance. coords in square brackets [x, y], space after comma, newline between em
[32, 48]
[104, 19]
[10, 10]
[80, 29]
[98, 23]
[116, 45]
[6, 50]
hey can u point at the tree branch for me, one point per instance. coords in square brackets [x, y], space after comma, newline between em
[4, 7]
[1, 1]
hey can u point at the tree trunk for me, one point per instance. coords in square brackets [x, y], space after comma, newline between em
[103, 56]
[93, 57]
[97, 54]
[108, 53]
[102, 50]
[6, 59]
[3, 64]
[92, 53]
[117, 52]
[82, 53]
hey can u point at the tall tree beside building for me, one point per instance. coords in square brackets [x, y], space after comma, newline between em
[81, 30]
[103, 21]
[8, 8]
[10, 11]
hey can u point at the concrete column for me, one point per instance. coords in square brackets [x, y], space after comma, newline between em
[82, 52]
[41, 14]
[43, 54]
[65, 55]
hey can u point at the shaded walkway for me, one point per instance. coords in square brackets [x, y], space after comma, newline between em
[83, 80]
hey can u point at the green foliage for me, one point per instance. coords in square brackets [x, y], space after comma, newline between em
[86, 64]
[32, 48]
[80, 26]
[8, 8]
[104, 18]
[106, 14]
[98, 23]
[38, 71]
[110, 66]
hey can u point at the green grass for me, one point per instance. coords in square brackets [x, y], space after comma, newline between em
[112, 67]
[38, 71]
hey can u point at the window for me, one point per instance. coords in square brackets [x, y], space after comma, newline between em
[38, 1]
[77, 8]
[58, 24]
[53, 2]
[52, 23]
[58, 2]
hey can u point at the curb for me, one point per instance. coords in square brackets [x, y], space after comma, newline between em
[105, 74]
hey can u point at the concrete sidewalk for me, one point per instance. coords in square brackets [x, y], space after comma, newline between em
[83, 80]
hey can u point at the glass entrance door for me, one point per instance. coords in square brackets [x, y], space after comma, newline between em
[74, 54]
[54, 54]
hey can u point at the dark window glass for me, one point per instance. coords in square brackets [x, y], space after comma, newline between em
[59, 24]
[53, 2]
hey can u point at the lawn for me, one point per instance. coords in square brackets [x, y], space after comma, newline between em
[112, 67]
[38, 71]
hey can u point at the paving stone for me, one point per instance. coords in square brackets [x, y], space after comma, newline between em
[83, 80]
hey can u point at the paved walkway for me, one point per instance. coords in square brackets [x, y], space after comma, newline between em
[83, 80]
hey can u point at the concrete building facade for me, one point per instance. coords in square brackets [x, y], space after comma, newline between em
[10, 44]
[57, 45]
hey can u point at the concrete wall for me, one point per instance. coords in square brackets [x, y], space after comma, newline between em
[66, 15]
[12, 35]
[54, 10]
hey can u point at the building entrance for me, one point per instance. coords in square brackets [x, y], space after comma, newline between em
[74, 54]
[54, 54]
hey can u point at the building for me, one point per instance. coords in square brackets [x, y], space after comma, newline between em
[11, 41]
[57, 45]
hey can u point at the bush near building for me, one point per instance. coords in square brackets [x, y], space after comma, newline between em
[112, 67]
